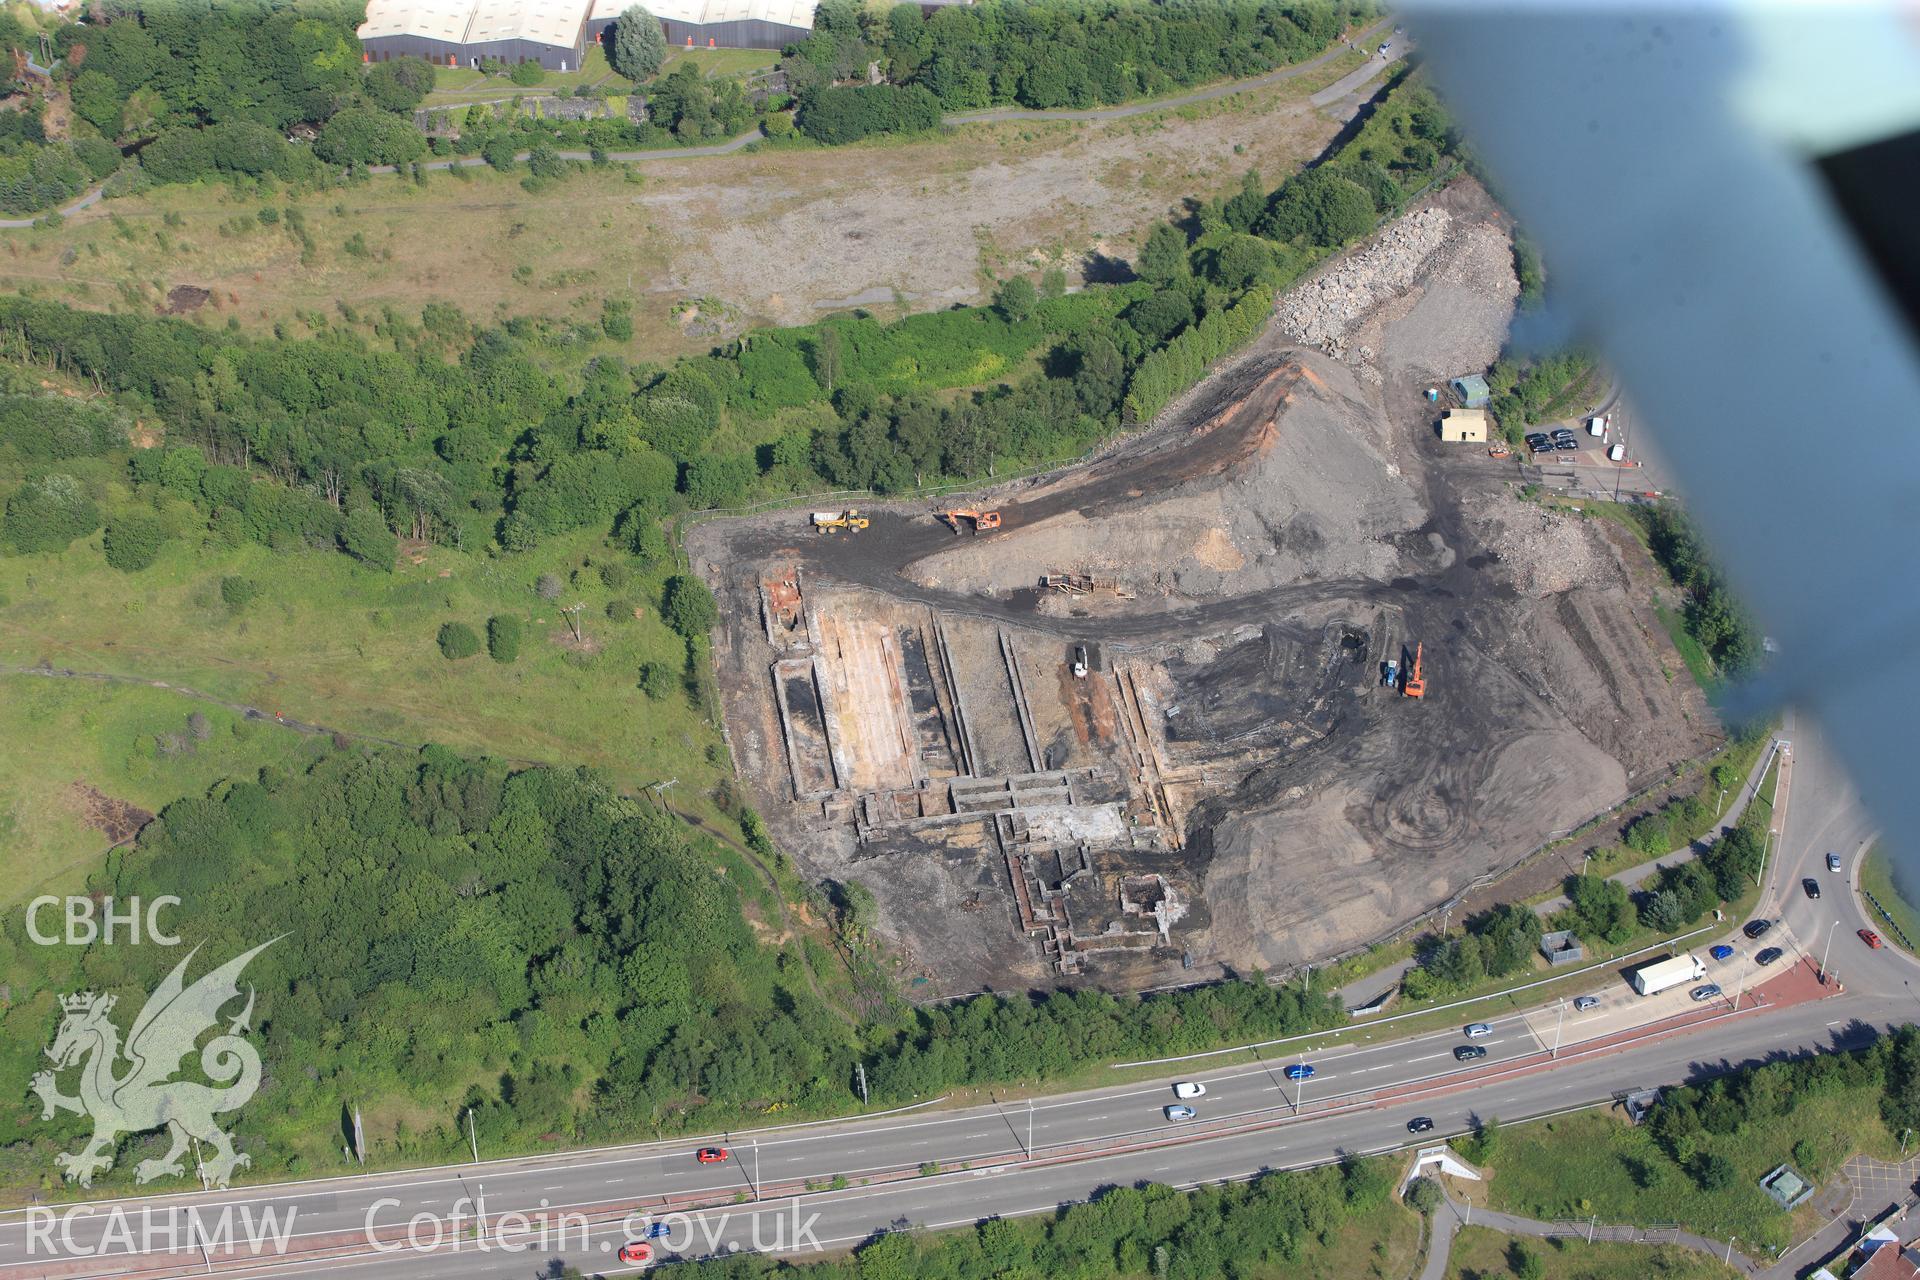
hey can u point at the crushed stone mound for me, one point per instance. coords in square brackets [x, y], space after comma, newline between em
[1316, 501]
[1547, 552]
[1323, 312]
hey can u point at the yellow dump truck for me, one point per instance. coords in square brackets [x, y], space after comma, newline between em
[834, 521]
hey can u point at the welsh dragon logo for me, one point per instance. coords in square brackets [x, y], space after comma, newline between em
[145, 1096]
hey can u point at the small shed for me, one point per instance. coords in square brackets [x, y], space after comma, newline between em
[1473, 391]
[1464, 426]
[1562, 947]
[1788, 1189]
[1639, 1103]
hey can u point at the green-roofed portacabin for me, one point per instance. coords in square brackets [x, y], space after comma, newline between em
[1788, 1189]
[1473, 391]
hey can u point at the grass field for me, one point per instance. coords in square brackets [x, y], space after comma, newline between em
[1480, 1254]
[1892, 888]
[1595, 1163]
[456, 86]
[1382, 1247]
[336, 645]
[712, 62]
[61, 737]
[768, 236]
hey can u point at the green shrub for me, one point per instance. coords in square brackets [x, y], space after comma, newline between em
[238, 593]
[47, 512]
[364, 535]
[1714, 1172]
[657, 680]
[687, 606]
[1423, 1196]
[133, 540]
[458, 640]
[503, 638]
[616, 319]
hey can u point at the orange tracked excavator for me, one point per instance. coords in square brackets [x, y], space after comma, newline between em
[981, 520]
[1416, 686]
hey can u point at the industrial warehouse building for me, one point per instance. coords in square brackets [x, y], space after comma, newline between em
[555, 33]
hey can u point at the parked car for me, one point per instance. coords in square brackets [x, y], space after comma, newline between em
[710, 1155]
[1568, 445]
[1769, 955]
[1477, 1029]
[1420, 1124]
[1706, 991]
[1299, 1071]
[1810, 887]
[1468, 1052]
[1833, 862]
[1180, 1113]
[634, 1251]
[1871, 938]
[1582, 1003]
[1189, 1089]
[1757, 928]
[1721, 952]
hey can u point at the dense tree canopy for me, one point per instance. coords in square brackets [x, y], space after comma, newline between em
[1068, 53]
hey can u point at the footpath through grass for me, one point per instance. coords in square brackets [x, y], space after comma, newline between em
[1480, 1254]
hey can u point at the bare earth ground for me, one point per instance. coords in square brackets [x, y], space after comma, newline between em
[1229, 785]
[775, 236]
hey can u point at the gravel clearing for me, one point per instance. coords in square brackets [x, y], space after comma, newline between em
[1546, 552]
[1324, 311]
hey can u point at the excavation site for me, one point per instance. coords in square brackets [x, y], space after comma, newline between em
[1249, 691]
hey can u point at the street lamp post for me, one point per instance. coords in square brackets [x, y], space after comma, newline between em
[1558, 1022]
[1741, 984]
[473, 1136]
[1826, 951]
[1728, 1260]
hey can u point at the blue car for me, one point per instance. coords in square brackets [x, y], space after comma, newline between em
[1299, 1071]
[1722, 952]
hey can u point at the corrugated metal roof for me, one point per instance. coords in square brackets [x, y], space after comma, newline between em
[433, 19]
[552, 22]
[788, 13]
[549, 22]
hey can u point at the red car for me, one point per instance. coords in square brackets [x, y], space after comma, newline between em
[710, 1155]
[1871, 938]
[634, 1251]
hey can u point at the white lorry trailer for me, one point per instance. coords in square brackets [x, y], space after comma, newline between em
[1661, 975]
